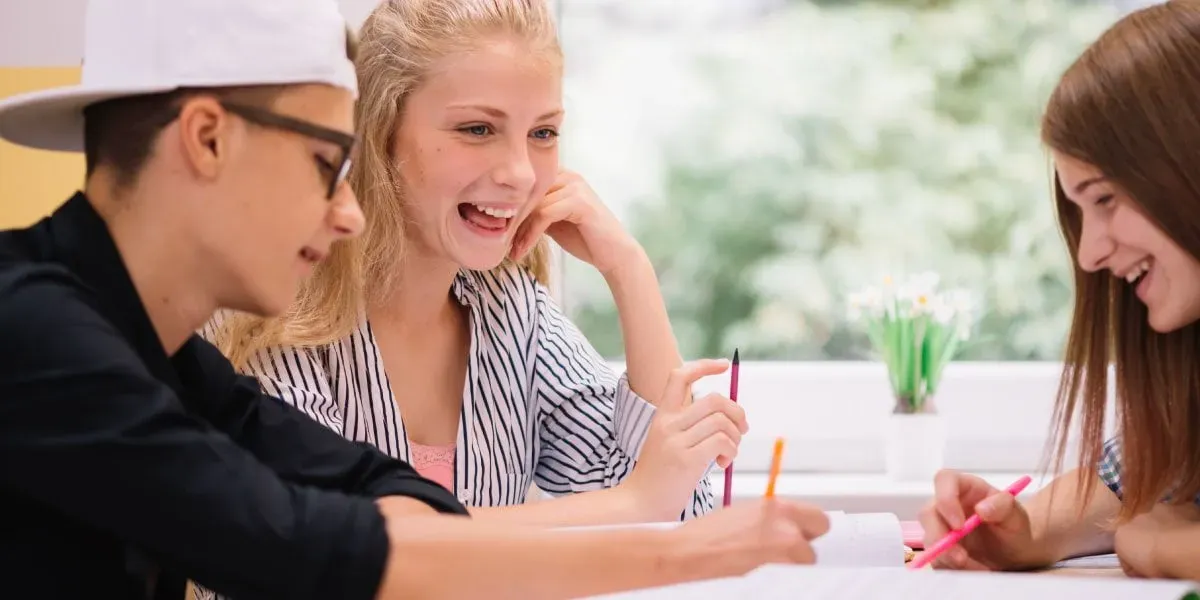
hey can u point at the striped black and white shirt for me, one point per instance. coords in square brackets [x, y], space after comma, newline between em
[541, 406]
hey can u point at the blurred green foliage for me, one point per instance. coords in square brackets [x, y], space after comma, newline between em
[835, 142]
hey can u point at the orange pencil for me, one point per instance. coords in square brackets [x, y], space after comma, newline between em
[776, 462]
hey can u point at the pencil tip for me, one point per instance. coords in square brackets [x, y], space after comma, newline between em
[735, 356]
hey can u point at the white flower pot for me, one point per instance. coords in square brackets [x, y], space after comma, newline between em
[914, 446]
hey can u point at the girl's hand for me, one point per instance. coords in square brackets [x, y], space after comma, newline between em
[685, 439]
[1001, 542]
[1138, 541]
[577, 220]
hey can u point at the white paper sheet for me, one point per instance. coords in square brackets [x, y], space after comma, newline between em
[861, 540]
[855, 540]
[659, 525]
[819, 583]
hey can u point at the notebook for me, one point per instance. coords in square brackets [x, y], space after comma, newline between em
[847, 583]
[1097, 561]
[860, 540]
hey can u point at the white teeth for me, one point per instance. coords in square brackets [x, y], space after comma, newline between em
[1136, 272]
[499, 213]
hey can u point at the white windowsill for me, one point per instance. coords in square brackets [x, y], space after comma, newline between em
[856, 493]
[834, 415]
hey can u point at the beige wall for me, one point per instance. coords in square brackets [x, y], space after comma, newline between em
[34, 182]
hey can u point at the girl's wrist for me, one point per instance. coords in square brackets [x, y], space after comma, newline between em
[645, 501]
[633, 264]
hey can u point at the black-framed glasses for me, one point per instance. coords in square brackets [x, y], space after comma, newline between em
[343, 140]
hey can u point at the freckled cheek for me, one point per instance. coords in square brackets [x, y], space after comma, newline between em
[451, 167]
[419, 172]
[440, 191]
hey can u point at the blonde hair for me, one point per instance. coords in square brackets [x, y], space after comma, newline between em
[398, 45]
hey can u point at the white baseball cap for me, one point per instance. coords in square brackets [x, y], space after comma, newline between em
[136, 47]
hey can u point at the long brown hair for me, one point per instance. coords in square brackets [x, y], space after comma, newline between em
[1130, 106]
[398, 44]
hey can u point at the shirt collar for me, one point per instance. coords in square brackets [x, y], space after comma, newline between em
[465, 288]
[84, 245]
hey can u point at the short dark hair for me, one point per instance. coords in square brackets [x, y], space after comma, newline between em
[120, 133]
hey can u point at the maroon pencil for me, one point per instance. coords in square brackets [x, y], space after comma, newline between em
[733, 393]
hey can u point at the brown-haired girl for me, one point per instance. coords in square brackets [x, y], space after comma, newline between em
[1124, 134]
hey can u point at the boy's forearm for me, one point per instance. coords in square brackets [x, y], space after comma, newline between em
[453, 557]
[611, 506]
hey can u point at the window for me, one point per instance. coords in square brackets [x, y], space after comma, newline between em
[774, 155]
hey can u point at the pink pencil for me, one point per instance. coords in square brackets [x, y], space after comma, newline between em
[733, 389]
[957, 535]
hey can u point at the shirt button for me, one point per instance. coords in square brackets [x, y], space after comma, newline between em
[464, 495]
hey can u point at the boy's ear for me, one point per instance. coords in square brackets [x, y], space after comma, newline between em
[204, 129]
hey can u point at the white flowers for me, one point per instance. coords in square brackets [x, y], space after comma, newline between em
[917, 330]
[915, 297]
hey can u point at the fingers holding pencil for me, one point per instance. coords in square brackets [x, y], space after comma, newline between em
[684, 440]
[750, 534]
[971, 525]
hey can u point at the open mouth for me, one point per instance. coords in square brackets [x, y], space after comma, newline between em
[311, 256]
[1141, 276]
[486, 219]
[1139, 272]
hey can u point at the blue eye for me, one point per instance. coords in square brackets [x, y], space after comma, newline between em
[545, 133]
[476, 130]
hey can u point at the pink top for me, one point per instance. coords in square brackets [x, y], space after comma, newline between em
[434, 462]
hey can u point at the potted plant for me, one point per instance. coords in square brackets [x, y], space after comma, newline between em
[916, 329]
